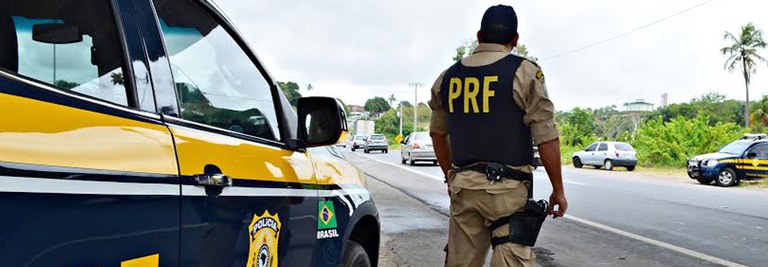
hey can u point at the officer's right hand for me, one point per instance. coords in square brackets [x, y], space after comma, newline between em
[559, 200]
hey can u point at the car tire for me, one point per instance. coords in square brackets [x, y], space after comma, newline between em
[630, 168]
[704, 181]
[366, 151]
[355, 256]
[412, 162]
[386, 151]
[608, 165]
[577, 163]
[353, 149]
[402, 159]
[726, 177]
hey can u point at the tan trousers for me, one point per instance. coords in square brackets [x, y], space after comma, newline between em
[469, 236]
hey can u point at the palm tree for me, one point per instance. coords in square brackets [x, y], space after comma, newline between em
[742, 53]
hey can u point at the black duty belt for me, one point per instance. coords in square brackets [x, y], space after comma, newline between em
[496, 172]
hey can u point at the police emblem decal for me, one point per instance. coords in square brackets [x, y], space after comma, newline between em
[326, 223]
[755, 162]
[264, 233]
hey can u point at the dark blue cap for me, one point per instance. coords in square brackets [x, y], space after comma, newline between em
[499, 24]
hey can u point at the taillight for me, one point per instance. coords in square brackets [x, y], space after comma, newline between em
[416, 146]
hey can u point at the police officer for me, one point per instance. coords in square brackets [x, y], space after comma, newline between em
[489, 110]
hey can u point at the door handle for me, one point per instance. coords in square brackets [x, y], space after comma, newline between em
[217, 180]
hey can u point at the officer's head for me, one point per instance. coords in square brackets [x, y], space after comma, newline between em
[499, 26]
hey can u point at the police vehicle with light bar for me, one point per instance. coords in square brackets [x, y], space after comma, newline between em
[743, 159]
[147, 133]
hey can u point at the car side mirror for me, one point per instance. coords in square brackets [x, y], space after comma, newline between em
[321, 122]
[56, 33]
[751, 155]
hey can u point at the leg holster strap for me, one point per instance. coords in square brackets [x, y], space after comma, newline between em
[524, 226]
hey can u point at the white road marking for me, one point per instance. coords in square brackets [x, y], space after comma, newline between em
[681, 250]
[405, 168]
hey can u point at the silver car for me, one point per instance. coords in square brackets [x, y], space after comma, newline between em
[607, 155]
[357, 142]
[417, 147]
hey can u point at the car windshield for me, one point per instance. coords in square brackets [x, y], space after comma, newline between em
[623, 147]
[360, 138]
[735, 148]
[378, 137]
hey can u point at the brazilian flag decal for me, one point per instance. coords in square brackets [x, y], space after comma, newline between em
[327, 215]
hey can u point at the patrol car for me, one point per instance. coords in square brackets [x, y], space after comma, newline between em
[147, 133]
[743, 159]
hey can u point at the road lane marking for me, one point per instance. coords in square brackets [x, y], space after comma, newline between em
[681, 250]
[404, 168]
[637, 237]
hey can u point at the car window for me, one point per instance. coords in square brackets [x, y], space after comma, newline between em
[592, 147]
[378, 137]
[761, 151]
[602, 147]
[421, 136]
[62, 45]
[623, 147]
[361, 138]
[216, 82]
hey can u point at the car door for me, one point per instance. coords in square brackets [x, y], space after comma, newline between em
[406, 147]
[247, 200]
[601, 154]
[588, 156]
[88, 174]
[757, 162]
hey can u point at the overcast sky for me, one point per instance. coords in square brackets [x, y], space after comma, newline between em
[355, 50]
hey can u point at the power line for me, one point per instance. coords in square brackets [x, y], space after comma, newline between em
[628, 32]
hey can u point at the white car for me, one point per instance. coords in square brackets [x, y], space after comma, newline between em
[608, 155]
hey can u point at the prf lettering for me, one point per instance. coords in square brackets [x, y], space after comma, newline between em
[468, 89]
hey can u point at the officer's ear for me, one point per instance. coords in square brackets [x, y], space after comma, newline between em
[479, 37]
[515, 39]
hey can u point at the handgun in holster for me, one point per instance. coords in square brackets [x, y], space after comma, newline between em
[524, 226]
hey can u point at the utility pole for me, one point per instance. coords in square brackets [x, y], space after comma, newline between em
[400, 114]
[415, 102]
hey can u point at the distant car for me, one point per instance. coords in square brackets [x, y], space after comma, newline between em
[417, 147]
[358, 142]
[607, 155]
[742, 159]
[376, 142]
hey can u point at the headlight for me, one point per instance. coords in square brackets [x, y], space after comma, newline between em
[712, 163]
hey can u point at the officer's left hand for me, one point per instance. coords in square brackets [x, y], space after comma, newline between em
[562, 204]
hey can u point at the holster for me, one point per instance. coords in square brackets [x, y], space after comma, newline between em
[524, 226]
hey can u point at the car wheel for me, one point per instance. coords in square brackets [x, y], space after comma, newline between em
[704, 181]
[386, 151]
[630, 168]
[402, 159]
[355, 256]
[726, 177]
[577, 163]
[353, 149]
[608, 165]
[412, 162]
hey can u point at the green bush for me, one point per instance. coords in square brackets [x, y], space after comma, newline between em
[670, 144]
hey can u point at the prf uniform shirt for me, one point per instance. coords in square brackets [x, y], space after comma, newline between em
[530, 95]
[475, 202]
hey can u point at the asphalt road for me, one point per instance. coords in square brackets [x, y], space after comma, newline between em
[615, 218]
